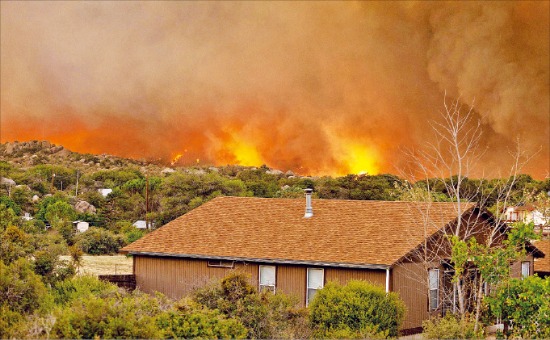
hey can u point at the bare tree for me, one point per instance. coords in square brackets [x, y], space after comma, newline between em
[445, 165]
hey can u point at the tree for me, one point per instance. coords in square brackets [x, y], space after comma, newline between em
[20, 288]
[526, 302]
[444, 166]
[98, 241]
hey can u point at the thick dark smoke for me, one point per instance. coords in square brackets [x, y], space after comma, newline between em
[320, 88]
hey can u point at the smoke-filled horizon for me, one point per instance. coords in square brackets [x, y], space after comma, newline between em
[314, 87]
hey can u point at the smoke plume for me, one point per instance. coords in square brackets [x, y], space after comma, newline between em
[315, 87]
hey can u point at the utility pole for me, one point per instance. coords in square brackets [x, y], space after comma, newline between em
[146, 201]
[76, 192]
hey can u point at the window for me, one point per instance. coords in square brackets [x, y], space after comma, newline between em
[315, 281]
[525, 269]
[267, 278]
[433, 278]
[221, 264]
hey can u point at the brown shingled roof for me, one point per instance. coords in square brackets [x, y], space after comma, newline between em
[340, 232]
[542, 265]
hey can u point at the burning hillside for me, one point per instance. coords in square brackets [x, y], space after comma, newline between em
[316, 87]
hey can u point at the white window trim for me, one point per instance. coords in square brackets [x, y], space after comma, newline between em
[307, 282]
[430, 290]
[528, 269]
[220, 264]
[260, 285]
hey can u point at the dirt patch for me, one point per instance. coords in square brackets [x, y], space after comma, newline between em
[104, 264]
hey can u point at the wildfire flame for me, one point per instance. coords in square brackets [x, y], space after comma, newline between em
[176, 159]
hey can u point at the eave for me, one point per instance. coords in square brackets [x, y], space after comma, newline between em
[263, 260]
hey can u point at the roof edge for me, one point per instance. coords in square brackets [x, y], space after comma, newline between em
[261, 260]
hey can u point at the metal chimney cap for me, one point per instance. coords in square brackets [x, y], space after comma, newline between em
[309, 208]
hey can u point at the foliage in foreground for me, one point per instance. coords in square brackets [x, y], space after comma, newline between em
[264, 314]
[526, 304]
[356, 310]
[450, 327]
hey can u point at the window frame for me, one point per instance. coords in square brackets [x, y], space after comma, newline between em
[261, 286]
[307, 282]
[436, 290]
[220, 264]
[523, 275]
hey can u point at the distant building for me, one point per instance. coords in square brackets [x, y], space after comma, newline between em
[105, 192]
[528, 213]
[81, 226]
[27, 217]
[141, 224]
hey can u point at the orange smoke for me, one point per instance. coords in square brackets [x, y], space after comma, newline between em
[314, 87]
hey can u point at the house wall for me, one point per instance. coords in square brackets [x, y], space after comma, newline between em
[177, 277]
[515, 269]
[410, 282]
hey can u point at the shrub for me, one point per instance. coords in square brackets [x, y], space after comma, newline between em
[265, 315]
[355, 310]
[121, 316]
[81, 288]
[98, 241]
[524, 303]
[449, 327]
[15, 243]
[236, 298]
[12, 323]
[189, 320]
[20, 288]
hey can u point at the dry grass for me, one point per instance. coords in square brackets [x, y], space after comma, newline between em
[104, 264]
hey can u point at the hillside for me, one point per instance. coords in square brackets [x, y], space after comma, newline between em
[34, 170]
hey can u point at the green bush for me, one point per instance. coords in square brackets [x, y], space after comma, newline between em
[194, 321]
[98, 241]
[356, 309]
[524, 304]
[236, 298]
[15, 243]
[265, 315]
[450, 327]
[20, 288]
[81, 288]
[123, 316]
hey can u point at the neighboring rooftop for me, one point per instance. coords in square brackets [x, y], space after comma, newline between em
[542, 265]
[354, 233]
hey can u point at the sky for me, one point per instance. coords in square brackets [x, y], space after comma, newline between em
[319, 88]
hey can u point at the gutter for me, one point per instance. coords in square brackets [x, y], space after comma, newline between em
[270, 261]
[387, 280]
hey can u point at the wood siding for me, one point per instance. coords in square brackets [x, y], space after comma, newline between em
[410, 282]
[343, 275]
[515, 269]
[177, 277]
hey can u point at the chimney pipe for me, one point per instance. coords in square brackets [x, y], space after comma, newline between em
[309, 208]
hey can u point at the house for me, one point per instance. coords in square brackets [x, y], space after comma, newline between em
[104, 192]
[81, 226]
[542, 265]
[284, 250]
[27, 217]
[528, 213]
[141, 224]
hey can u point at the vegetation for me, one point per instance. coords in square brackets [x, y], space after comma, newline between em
[41, 297]
[527, 303]
[450, 327]
[356, 310]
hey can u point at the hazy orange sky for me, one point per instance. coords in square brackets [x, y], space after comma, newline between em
[314, 87]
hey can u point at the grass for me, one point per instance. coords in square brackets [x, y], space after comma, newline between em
[104, 264]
